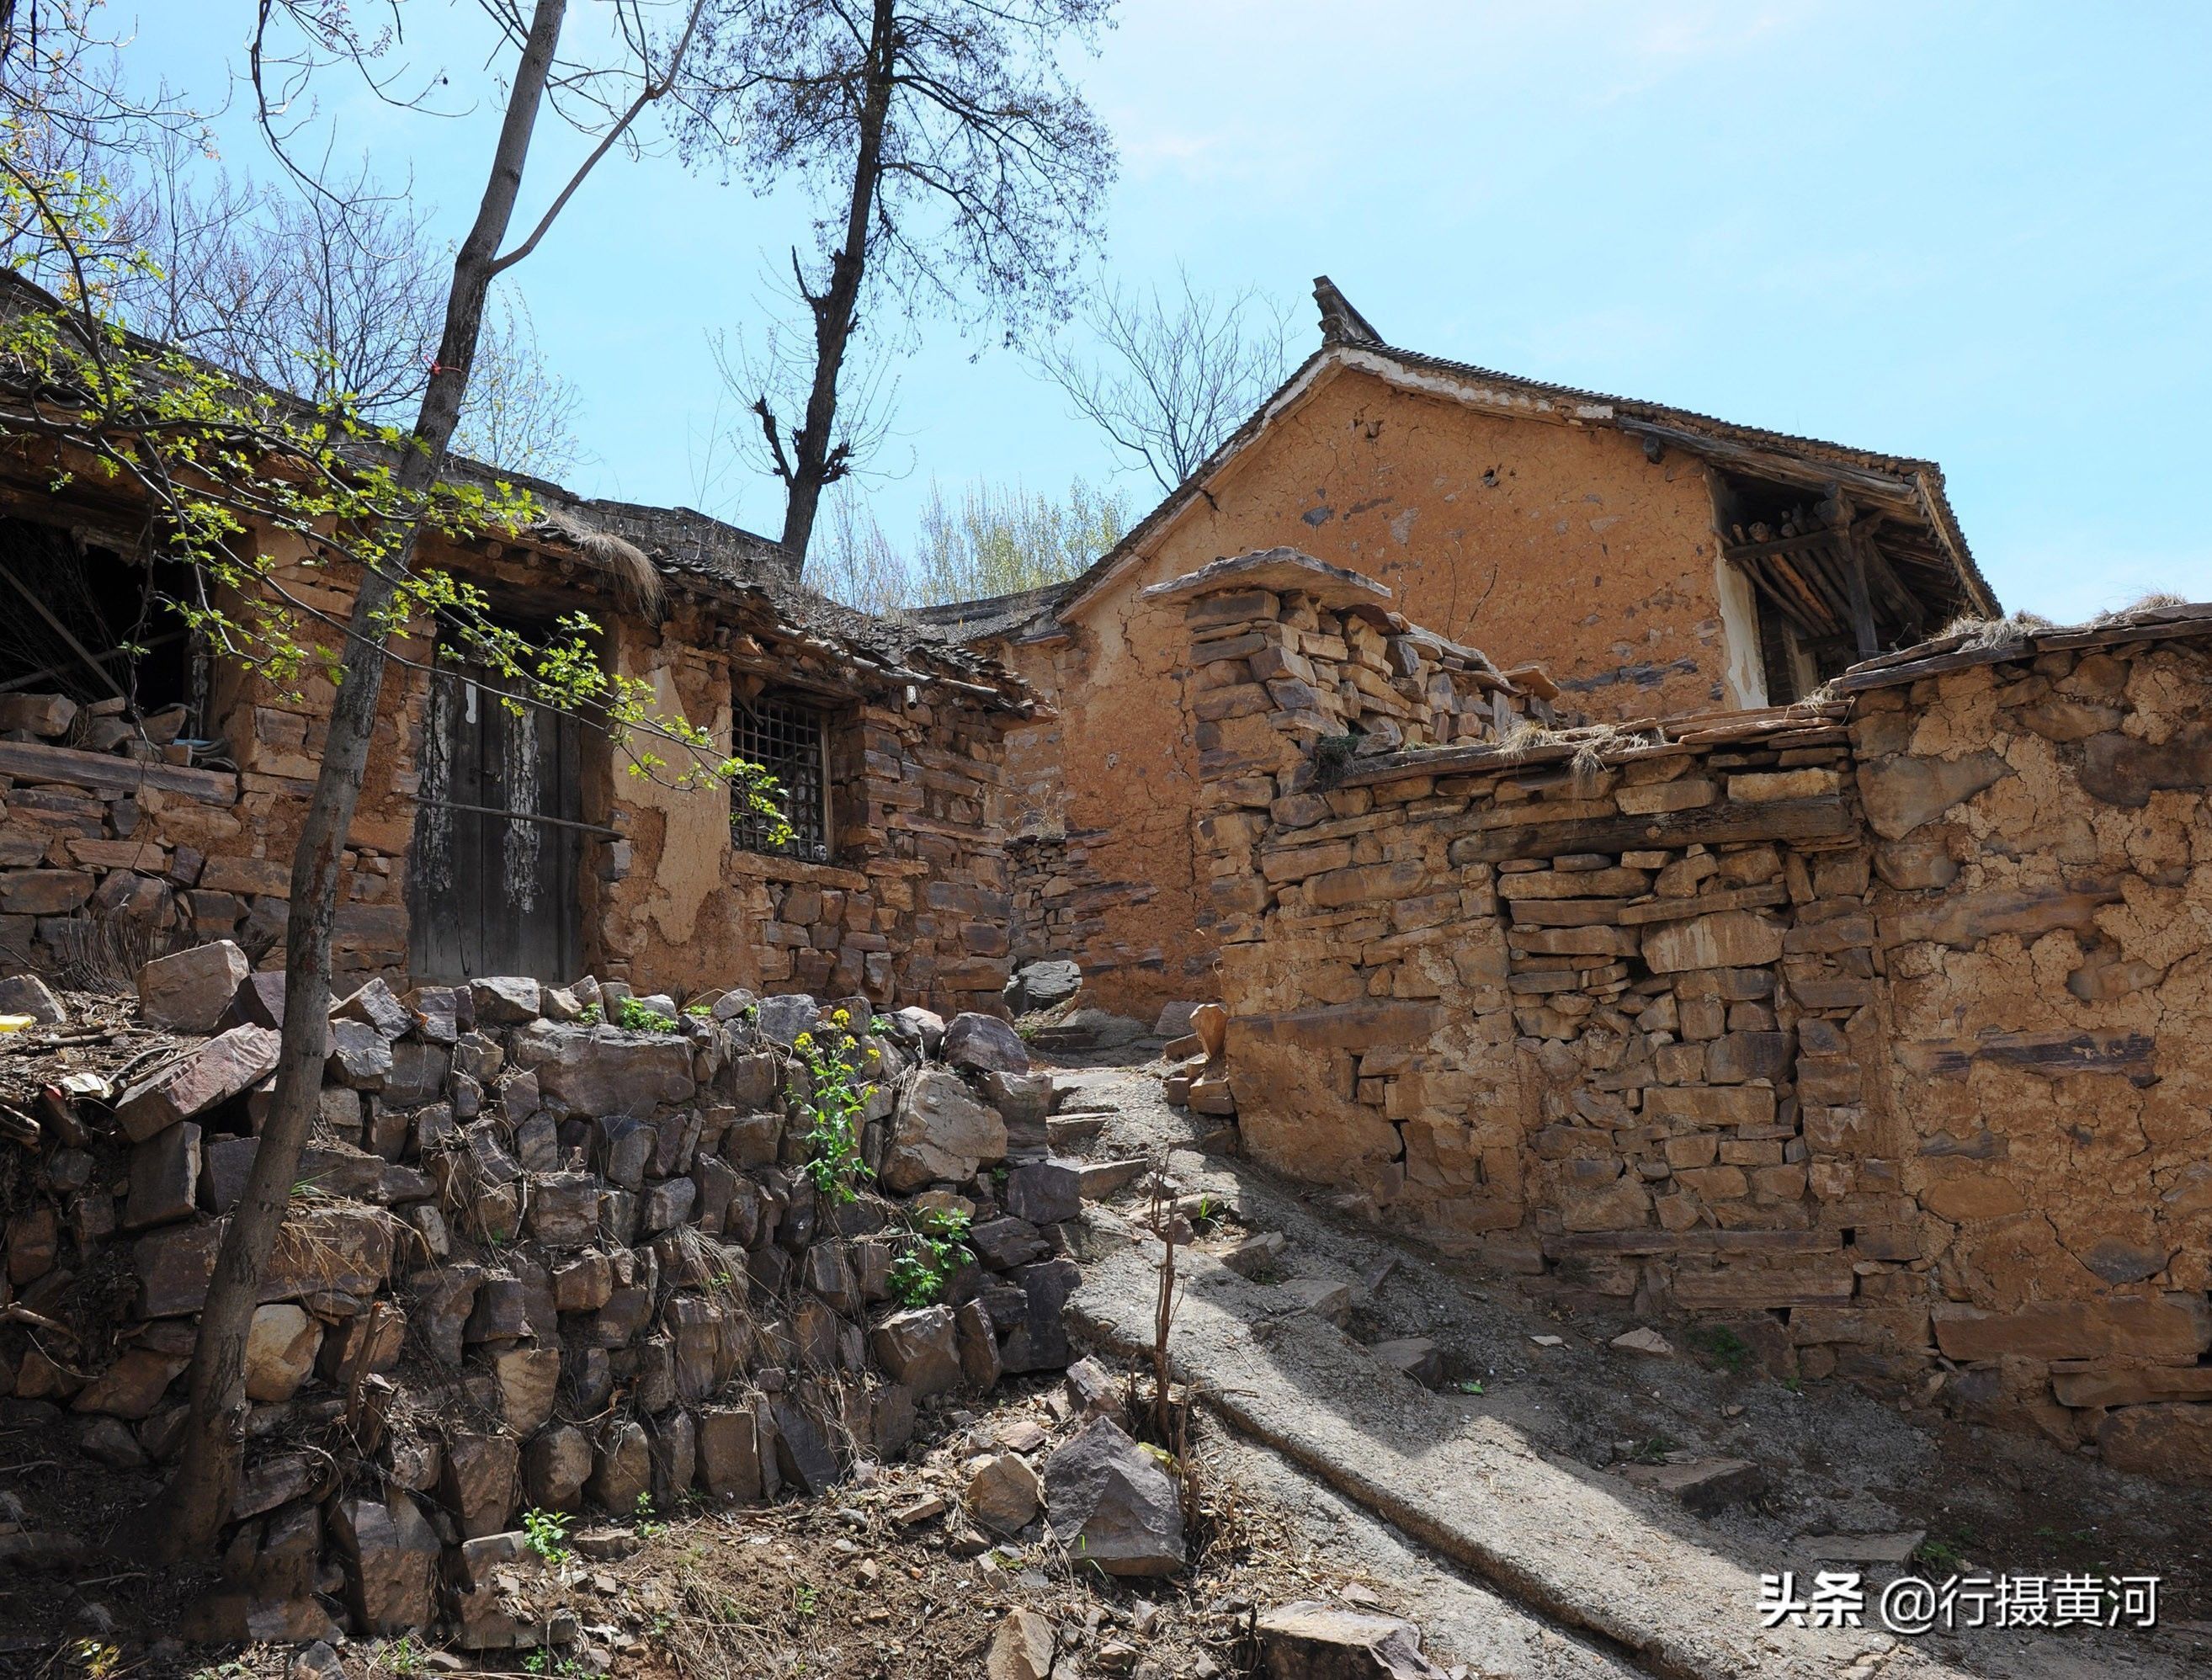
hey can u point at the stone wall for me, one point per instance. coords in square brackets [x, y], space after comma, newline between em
[1128, 899]
[1866, 1025]
[914, 906]
[534, 1262]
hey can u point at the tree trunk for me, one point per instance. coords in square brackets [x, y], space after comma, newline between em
[816, 462]
[198, 1499]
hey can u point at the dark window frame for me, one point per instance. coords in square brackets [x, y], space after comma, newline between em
[787, 731]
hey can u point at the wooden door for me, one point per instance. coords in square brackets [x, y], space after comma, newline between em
[493, 881]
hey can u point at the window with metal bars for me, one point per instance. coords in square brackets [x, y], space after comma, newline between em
[790, 739]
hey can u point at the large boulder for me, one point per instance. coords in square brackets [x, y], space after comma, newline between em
[621, 1469]
[222, 1068]
[554, 1467]
[375, 1005]
[600, 1070]
[2172, 1440]
[985, 1043]
[164, 1175]
[917, 1026]
[940, 1131]
[729, 1453]
[804, 1455]
[1004, 1494]
[781, 1020]
[1113, 1505]
[281, 1346]
[189, 991]
[529, 1381]
[1024, 1103]
[505, 1000]
[1045, 1192]
[1038, 1340]
[1022, 1648]
[481, 1479]
[389, 1556]
[27, 994]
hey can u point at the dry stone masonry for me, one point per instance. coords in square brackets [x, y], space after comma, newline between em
[1869, 1026]
[534, 1261]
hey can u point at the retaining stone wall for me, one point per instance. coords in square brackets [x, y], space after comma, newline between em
[532, 1262]
[1871, 1027]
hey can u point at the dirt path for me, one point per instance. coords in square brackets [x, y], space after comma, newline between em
[1834, 1461]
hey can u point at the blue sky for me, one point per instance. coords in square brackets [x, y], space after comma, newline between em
[1981, 233]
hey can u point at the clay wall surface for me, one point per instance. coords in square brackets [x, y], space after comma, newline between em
[1870, 1028]
[1535, 539]
[1553, 543]
[913, 906]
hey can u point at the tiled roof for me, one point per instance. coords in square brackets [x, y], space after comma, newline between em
[1002, 617]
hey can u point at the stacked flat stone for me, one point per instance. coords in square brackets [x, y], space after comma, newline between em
[1775, 1016]
[567, 1266]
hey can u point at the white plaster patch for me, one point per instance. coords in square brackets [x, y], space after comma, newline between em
[1743, 674]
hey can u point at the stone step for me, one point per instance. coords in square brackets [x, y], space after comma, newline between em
[1066, 1130]
[1101, 1178]
[1552, 1538]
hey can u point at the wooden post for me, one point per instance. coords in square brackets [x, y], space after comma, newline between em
[1855, 574]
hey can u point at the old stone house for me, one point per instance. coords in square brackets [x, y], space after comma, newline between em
[157, 796]
[1649, 560]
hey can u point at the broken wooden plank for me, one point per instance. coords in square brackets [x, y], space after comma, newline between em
[36, 762]
[2052, 1055]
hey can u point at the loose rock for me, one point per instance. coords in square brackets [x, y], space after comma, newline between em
[189, 991]
[1308, 1640]
[985, 1043]
[1004, 1493]
[1112, 1504]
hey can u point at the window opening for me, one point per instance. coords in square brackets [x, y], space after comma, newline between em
[789, 738]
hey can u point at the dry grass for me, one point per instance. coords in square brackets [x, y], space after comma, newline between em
[103, 954]
[1996, 634]
[1589, 743]
[2157, 600]
[637, 580]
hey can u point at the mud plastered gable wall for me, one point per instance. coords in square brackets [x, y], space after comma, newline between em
[1562, 544]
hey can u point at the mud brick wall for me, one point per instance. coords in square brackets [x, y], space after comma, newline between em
[535, 1262]
[1863, 1026]
[917, 907]
[1062, 898]
[88, 837]
[913, 906]
[1068, 899]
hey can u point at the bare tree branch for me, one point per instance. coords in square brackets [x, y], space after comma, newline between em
[1168, 378]
[950, 160]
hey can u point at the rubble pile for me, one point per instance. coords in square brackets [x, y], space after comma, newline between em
[552, 1249]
